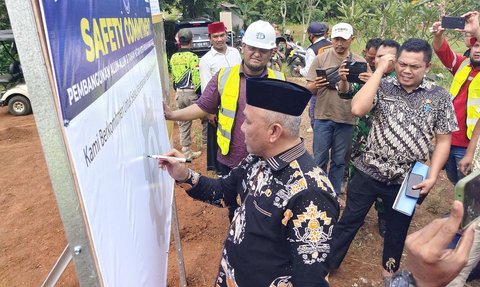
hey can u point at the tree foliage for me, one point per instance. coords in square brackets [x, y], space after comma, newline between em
[193, 8]
[4, 20]
[249, 10]
[4, 24]
[398, 19]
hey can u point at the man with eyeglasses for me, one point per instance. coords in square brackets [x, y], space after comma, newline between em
[225, 94]
[333, 120]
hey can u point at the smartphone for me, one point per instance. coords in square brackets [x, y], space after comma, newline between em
[321, 73]
[467, 190]
[413, 179]
[453, 22]
[354, 70]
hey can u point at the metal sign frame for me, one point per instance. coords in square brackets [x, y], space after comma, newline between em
[29, 37]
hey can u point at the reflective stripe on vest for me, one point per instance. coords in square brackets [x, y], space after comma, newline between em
[229, 88]
[473, 100]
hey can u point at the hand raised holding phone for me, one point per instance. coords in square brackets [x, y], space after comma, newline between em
[466, 191]
[321, 80]
[343, 71]
[449, 22]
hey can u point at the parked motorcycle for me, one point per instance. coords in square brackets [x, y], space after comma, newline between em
[296, 57]
[278, 54]
[237, 43]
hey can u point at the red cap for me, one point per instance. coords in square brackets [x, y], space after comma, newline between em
[216, 27]
[473, 40]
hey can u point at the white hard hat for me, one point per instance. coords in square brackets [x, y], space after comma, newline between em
[260, 34]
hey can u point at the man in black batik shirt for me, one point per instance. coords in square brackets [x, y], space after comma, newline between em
[286, 207]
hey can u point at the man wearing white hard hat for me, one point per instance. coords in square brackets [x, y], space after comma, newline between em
[333, 120]
[225, 94]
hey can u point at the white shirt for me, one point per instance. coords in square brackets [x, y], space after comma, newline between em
[213, 61]
[309, 56]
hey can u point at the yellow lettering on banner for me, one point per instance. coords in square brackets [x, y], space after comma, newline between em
[97, 40]
[105, 38]
[105, 35]
[136, 29]
[111, 35]
[87, 39]
[119, 30]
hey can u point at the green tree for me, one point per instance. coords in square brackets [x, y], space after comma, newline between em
[249, 10]
[306, 9]
[193, 8]
[5, 59]
[398, 19]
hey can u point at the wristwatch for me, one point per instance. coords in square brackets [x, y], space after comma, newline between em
[402, 278]
[337, 86]
[190, 181]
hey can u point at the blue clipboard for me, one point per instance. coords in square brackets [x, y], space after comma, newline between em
[406, 204]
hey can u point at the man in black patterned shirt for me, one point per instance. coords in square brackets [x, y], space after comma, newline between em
[408, 112]
[286, 207]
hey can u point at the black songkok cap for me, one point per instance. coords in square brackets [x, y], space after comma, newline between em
[278, 96]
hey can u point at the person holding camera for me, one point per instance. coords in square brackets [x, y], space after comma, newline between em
[317, 35]
[333, 124]
[465, 88]
[470, 162]
[408, 113]
[430, 262]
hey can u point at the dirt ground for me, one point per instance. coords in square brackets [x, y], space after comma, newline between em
[32, 236]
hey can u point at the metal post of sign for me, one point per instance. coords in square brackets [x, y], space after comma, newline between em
[178, 245]
[159, 39]
[29, 36]
[58, 268]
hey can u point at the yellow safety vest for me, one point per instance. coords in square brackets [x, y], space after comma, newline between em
[229, 89]
[185, 73]
[473, 100]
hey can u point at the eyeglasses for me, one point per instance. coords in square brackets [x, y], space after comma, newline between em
[252, 50]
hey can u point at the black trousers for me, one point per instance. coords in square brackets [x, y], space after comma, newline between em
[224, 170]
[362, 193]
[212, 147]
[212, 162]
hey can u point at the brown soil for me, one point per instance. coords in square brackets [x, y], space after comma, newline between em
[32, 235]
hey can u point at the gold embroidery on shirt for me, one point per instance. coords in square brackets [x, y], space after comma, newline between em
[286, 216]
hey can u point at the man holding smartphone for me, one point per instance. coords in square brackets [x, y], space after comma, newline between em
[333, 124]
[471, 159]
[465, 88]
[317, 35]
